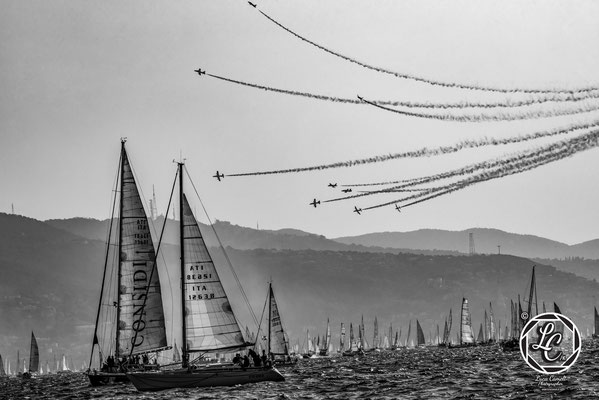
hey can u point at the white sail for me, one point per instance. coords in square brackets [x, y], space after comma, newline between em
[466, 335]
[209, 320]
[278, 343]
[139, 327]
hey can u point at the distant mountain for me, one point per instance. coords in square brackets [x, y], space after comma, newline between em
[236, 236]
[51, 280]
[486, 241]
[50, 283]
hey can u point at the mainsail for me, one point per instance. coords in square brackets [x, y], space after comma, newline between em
[2, 372]
[481, 337]
[342, 338]
[34, 355]
[596, 332]
[419, 334]
[409, 330]
[492, 331]
[141, 318]
[466, 324]
[375, 341]
[209, 320]
[277, 343]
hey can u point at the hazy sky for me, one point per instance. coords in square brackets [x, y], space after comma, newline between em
[75, 76]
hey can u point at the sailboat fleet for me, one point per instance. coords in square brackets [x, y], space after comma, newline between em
[131, 318]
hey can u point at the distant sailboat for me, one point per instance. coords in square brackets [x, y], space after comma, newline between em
[34, 359]
[419, 334]
[409, 331]
[324, 349]
[596, 331]
[342, 339]
[466, 337]
[278, 346]
[208, 321]
[2, 371]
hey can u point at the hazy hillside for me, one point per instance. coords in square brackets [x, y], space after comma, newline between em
[232, 235]
[50, 283]
[485, 240]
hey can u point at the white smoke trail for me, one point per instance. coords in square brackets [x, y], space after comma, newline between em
[551, 153]
[491, 117]
[553, 98]
[427, 152]
[431, 81]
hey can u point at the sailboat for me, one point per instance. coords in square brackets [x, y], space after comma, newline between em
[419, 335]
[324, 350]
[466, 337]
[34, 359]
[208, 321]
[278, 346]
[136, 330]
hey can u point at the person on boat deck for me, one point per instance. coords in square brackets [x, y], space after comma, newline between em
[246, 362]
[237, 359]
[145, 359]
[255, 358]
[264, 358]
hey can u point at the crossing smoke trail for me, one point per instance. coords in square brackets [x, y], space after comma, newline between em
[554, 98]
[490, 117]
[527, 157]
[426, 80]
[554, 152]
[426, 152]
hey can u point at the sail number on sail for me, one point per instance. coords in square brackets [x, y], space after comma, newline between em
[195, 279]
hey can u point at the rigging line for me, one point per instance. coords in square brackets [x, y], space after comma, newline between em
[584, 143]
[519, 157]
[490, 117]
[154, 267]
[431, 82]
[224, 252]
[95, 338]
[427, 152]
[260, 325]
[555, 98]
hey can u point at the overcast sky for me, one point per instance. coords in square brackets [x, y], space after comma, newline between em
[76, 76]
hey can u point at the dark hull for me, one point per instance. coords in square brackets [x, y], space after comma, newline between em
[201, 377]
[107, 378]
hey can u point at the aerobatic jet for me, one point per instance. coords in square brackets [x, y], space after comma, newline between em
[199, 71]
[333, 185]
[346, 190]
[314, 203]
[398, 208]
[219, 176]
[357, 210]
[252, 4]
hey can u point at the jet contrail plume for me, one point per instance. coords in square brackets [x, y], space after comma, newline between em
[490, 117]
[551, 153]
[556, 98]
[426, 80]
[474, 144]
[426, 152]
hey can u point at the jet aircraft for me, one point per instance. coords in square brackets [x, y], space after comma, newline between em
[218, 176]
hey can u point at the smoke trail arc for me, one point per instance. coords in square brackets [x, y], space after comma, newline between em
[508, 104]
[551, 153]
[490, 117]
[431, 82]
[425, 152]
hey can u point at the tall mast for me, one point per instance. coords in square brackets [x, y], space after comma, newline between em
[118, 297]
[532, 290]
[184, 360]
[269, 313]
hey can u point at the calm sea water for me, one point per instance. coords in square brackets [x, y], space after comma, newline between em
[429, 373]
